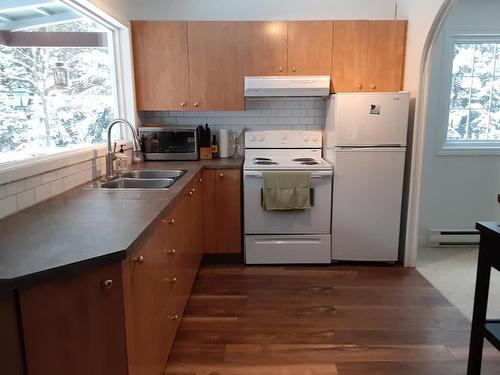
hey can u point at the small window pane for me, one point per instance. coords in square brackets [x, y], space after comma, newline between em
[495, 124]
[480, 93]
[460, 96]
[484, 59]
[474, 113]
[463, 59]
[479, 122]
[497, 60]
[457, 129]
[495, 98]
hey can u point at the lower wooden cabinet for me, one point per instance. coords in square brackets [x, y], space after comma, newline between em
[11, 352]
[121, 318]
[76, 325]
[222, 211]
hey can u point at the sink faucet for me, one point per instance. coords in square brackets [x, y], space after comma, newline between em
[110, 154]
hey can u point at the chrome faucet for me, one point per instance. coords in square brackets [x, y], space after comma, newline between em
[110, 154]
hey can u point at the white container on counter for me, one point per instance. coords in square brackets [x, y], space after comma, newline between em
[223, 143]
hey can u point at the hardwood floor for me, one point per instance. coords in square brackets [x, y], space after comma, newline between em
[320, 320]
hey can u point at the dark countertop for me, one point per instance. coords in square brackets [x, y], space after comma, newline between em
[84, 228]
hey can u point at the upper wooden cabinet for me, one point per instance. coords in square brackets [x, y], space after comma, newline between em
[309, 47]
[368, 55]
[161, 66]
[386, 55]
[215, 66]
[264, 46]
[350, 45]
[200, 65]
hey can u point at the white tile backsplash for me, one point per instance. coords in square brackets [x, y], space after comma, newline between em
[21, 194]
[260, 114]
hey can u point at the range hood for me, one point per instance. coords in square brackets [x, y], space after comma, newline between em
[287, 86]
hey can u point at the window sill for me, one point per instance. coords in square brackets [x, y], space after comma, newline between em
[10, 172]
[469, 151]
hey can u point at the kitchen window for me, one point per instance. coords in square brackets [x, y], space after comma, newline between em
[58, 80]
[474, 98]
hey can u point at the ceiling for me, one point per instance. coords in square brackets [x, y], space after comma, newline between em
[16, 15]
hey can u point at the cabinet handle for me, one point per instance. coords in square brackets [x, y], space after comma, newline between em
[172, 280]
[373, 86]
[107, 284]
[196, 104]
[183, 104]
[360, 86]
[191, 192]
[171, 221]
[221, 174]
[280, 69]
[201, 179]
[294, 69]
[171, 252]
[174, 317]
[139, 259]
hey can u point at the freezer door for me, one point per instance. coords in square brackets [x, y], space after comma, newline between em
[367, 197]
[371, 119]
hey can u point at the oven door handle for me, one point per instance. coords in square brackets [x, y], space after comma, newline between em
[315, 174]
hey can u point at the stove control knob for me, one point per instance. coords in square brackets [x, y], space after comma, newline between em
[315, 138]
[252, 138]
[261, 138]
[283, 136]
[306, 137]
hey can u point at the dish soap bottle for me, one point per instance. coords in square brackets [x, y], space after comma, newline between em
[215, 147]
[121, 162]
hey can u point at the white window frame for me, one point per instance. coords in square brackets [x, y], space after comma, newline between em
[123, 71]
[445, 147]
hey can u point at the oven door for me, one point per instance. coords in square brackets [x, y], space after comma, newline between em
[315, 220]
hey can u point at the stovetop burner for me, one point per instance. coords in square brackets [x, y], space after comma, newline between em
[262, 159]
[304, 159]
[265, 162]
[312, 162]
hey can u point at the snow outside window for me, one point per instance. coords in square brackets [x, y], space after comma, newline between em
[38, 116]
[474, 112]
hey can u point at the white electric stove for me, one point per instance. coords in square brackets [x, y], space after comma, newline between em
[295, 236]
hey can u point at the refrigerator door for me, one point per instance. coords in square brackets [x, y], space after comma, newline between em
[367, 194]
[370, 119]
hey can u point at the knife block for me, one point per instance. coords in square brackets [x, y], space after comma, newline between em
[205, 153]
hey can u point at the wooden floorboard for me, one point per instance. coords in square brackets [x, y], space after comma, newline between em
[341, 320]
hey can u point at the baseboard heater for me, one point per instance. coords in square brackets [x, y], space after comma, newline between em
[453, 237]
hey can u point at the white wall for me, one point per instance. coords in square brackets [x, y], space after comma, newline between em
[420, 15]
[250, 10]
[457, 190]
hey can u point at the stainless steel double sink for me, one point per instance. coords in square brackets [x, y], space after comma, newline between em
[145, 179]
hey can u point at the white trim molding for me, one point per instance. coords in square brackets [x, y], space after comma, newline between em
[415, 189]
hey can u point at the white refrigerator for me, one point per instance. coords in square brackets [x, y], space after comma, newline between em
[365, 140]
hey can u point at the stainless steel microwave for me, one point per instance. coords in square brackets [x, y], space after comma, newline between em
[165, 143]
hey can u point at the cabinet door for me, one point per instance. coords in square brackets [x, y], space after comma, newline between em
[228, 211]
[160, 53]
[11, 356]
[309, 47]
[147, 293]
[264, 47]
[209, 207]
[349, 61]
[215, 66]
[75, 325]
[386, 55]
